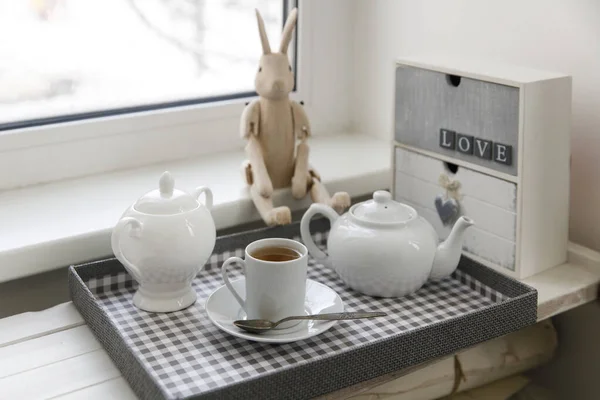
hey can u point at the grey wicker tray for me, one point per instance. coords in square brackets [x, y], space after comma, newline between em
[181, 355]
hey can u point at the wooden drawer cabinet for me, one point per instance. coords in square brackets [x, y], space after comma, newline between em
[503, 133]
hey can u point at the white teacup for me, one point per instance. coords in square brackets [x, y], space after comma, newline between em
[274, 289]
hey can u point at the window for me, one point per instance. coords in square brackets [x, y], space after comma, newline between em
[62, 60]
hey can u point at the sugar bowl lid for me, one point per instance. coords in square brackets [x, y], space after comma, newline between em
[383, 209]
[166, 200]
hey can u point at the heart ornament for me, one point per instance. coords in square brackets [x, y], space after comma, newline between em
[446, 209]
[448, 206]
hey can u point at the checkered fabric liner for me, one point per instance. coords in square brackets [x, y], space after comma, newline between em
[187, 355]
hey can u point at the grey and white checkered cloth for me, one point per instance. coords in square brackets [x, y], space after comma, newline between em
[187, 355]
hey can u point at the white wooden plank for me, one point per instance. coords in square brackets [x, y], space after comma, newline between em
[545, 175]
[59, 378]
[479, 68]
[111, 389]
[568, 285]
[30, 325]
[485, 245]
[48, 349]
[488, 217]
[474, 184]
[461, 163]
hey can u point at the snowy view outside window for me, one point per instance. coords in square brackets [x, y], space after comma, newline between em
[62, 57]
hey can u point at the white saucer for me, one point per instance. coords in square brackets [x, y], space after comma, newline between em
[222, 310]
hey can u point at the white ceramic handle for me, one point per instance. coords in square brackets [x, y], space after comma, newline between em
[208, 203]
[136, 229]
[235, 294]
[313, 210]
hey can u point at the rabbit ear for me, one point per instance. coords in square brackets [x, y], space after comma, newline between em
[286, 35]
[263, 34]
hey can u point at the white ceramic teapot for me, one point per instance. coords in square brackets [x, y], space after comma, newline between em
[171, 235]
[382, 248]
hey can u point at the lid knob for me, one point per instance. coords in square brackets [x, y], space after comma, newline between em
[166, 184]
[382, 196]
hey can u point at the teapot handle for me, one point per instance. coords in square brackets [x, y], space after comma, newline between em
[307, 238]
[208, 203]
[136, 228]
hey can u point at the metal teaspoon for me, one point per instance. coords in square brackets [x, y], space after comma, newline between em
[264, 325]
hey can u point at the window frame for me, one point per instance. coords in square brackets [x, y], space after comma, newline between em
[34, 154]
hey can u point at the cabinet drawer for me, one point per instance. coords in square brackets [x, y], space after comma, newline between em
[489, 201]
[428, 101]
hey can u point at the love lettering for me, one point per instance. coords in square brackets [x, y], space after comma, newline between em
[467, 144]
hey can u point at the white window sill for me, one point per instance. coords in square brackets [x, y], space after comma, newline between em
[49, 226]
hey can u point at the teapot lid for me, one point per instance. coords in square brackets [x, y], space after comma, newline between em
[383, 209]
[166, 200]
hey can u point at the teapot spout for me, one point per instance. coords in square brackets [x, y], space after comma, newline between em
[448, 252]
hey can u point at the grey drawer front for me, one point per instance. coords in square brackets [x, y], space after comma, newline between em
[426, 101]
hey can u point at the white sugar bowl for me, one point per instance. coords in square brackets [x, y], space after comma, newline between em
[164, 240]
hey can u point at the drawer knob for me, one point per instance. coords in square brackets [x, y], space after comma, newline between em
[453, 80]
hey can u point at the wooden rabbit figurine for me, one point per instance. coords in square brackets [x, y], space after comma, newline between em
[272, 124]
